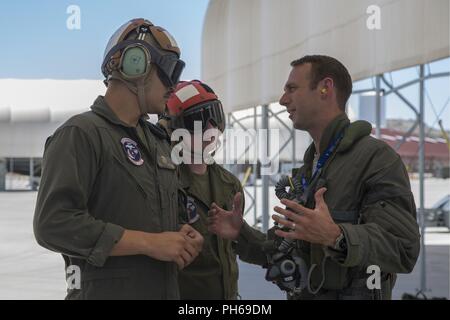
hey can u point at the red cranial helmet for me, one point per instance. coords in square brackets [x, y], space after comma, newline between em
[194, 101]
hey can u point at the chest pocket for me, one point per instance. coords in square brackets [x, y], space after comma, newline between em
[120, 166]
[167, 174]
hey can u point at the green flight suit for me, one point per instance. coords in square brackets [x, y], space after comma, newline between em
[214, 273]
[94, 186]
[369, 197]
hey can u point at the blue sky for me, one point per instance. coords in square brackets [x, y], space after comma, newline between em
[37, 44]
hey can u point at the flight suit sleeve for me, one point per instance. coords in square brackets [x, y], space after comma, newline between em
[249, 245]
[62, 222]
[388, 235]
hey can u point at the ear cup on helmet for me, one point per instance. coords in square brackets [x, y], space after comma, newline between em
[134, 62]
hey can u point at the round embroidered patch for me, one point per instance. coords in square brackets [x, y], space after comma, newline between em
[132, 151]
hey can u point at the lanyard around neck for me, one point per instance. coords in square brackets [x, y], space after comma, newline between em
[323, 159]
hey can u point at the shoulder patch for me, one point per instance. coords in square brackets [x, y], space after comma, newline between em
[191, 210]
[130, 147]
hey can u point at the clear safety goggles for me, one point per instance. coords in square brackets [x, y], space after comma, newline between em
[210, 111]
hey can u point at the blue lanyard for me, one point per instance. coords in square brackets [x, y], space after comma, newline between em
[323, 159]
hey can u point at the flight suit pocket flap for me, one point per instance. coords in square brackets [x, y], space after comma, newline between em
[165, 162]
[345, 215]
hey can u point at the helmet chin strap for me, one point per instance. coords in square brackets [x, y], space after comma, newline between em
[137, 87]
[141, 84]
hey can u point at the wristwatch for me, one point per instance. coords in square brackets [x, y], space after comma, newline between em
[340, 244]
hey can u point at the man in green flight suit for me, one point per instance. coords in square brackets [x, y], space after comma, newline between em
[358, 212]
[214, 273]
[108, 195]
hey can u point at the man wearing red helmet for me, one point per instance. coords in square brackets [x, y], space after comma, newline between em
[214, 273]
[108, 193]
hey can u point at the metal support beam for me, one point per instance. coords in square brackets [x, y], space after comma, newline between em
[265, 178]
[32, 174]
[412, 82]
[229, 125]
[3, 171]
[237, 121]
[423, 279]
[250, 204]
[255, 168]
[250, 198]
[275, 115]
[363, 91]
[406, 135]
[378, 108]
[11, 171]
[395, 90]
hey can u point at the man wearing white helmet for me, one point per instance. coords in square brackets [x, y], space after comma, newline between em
[108, 195]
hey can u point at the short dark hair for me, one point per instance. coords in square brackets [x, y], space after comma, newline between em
[325, 66]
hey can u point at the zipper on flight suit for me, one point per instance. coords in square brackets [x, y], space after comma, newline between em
[154, 157]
